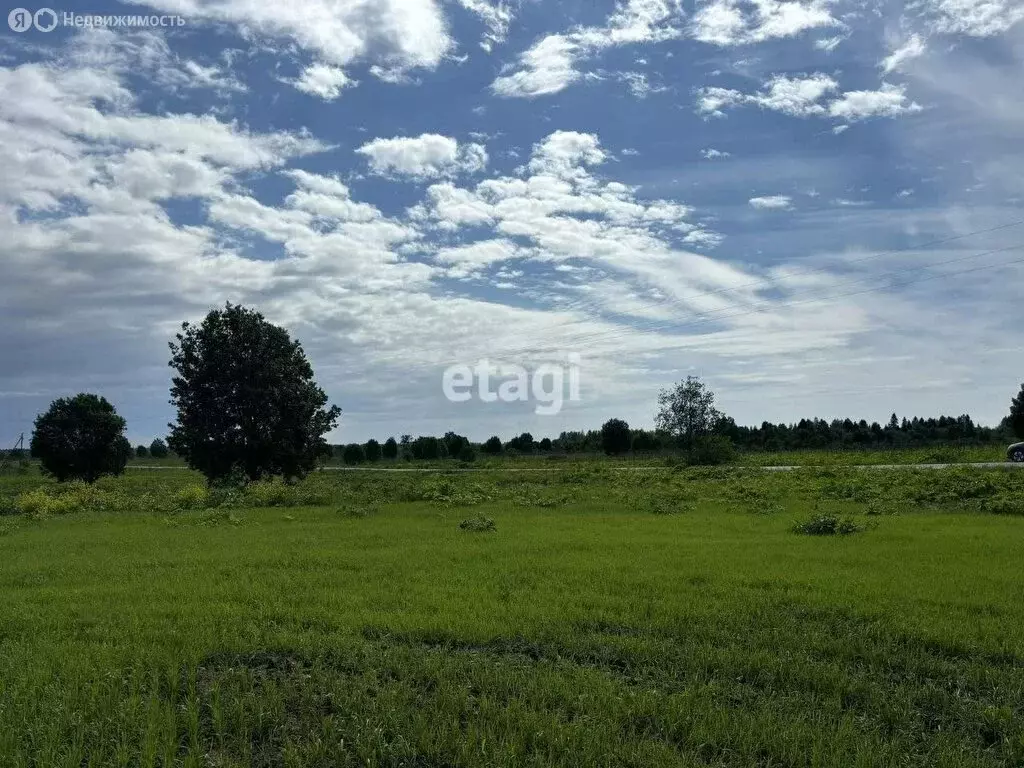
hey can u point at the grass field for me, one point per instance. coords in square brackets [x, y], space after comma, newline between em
[652, 618]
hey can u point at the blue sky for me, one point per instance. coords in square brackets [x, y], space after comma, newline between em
[816, 206]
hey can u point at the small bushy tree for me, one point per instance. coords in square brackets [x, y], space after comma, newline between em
[467, 454]
[353, 454]
[454, 443]
[615, 437]
[158, 449]
[711, 450]
[246, 399]
[545, 445]
[492, 446]
[372, 450]
[687, 411]
[80, 438]
[141, 452]
[390, 449]
[1017, 414]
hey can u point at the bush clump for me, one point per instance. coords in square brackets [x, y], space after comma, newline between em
[194, 496]
[270, 493]
[711, 451]
[1004, 505]
[453, 492]
[827, 525]
[478, 524]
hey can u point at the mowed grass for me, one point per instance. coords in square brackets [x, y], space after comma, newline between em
[646, 619]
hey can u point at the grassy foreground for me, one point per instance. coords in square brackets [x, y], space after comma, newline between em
[653, 618]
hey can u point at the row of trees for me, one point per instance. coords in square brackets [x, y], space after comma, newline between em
[688, 420]
[248, 407]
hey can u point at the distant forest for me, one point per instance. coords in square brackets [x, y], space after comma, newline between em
[838, 434]
[819, 434]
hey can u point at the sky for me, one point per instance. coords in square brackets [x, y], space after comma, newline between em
[814, 205]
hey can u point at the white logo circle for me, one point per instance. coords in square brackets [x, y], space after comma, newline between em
[45, 19]
[20, 20]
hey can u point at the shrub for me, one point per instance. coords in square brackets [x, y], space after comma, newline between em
[8, 506]
[38, 504]
[450, 491]
[1004, 505]
[478, 524]
[390, 449]
[492, 446]
[194, 496]
[158, 449]
[827, 525]
[467, 455]
[711, 450]
[270, 494]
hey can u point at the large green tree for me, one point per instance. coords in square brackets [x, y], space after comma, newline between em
[615, 437]
[246, 399]
[80, 438]
[1017, 414]
[687, 411]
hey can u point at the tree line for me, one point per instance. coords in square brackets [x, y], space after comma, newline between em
[247, 408]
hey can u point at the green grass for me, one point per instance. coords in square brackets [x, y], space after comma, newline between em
[658, 618]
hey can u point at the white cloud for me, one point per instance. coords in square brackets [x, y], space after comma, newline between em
[840, 129]
[979, 18]
[712, 100]
[465, 260]
[829, 44]
[914, 47]
[711, 154]
[888, 101]
[323, 80]
[426, 156]
[145, 53]
[638, 84]
[728, 23]
[495, 16]
[549, 66]
[796, 96]
[771, 203]
[805, 97]
[401, 33]
[563, 153]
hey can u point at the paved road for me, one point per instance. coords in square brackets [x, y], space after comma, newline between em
[978, 465]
